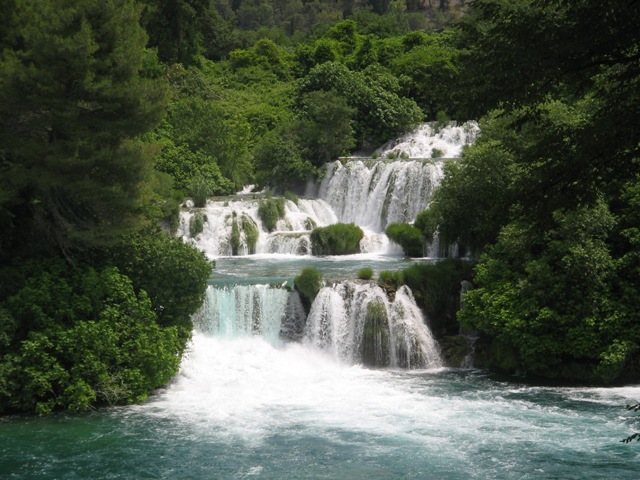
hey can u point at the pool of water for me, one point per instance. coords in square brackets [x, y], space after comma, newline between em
[243, 408]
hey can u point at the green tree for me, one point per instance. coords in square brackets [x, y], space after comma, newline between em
[77, 90]
[381, 113]
[174, 276]
[175, 28]
[325, 130]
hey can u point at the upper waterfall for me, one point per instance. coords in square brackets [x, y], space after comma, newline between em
[430, 140]
[370, 192]
[375, 193]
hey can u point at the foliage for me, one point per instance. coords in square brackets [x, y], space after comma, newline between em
[436, 288]
[475, 195]
[175, 28]
[279, 162]
[78, 89]
[408, 237]
[336, 239]
[308, 284]
[381, 113]
[84, 339]
[324, 129]
[553, 307]
[546, 193]
[251, 232]
[365, 273]
[270, 211]
[391, 279]
[172, 273]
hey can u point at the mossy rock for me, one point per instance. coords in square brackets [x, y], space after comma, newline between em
[375, 338]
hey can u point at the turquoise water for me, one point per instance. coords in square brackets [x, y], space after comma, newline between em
[283, 268]
[248, 406]
[244, 409]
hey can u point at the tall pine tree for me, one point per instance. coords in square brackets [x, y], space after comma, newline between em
[78, 88]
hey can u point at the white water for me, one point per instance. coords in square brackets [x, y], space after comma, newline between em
[374, 194]
[447, 141]
[337, 322]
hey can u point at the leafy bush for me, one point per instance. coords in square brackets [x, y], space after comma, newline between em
[270, 211]
[408, 237]
[173, 273]
[437, 153]
[85, 339]
[390, 279]
[308, 284]
[336, 239]
[365, 274]
[199, 191]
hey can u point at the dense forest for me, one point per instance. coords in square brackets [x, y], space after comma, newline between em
[112, 113]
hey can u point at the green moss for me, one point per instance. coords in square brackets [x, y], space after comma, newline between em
[196, 224]
[251, 232]
[270, 211]
[235, 236]
[375, 340]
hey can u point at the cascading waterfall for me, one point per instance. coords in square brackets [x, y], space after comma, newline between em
[431, 140]
[243, 310]
[233, 227]
[357, 323]
[375, 193]
[369, 192]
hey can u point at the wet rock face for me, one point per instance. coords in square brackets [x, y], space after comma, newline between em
[455, 350]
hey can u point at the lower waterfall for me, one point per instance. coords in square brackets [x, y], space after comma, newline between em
[354, 322]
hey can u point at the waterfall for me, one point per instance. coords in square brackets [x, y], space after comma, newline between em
[357, 323]
[353, 321]
[430, 140]
[375, 193]
[232, 226]
[243, 310]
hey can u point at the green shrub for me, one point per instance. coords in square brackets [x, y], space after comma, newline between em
[426, 224]
[86, 339]
[308, 284]
[390, 279]
[196, 224]
[408, 237]
[270, 211]
[437, 153]
[365, 274]
[199, 191]
[336, 239]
